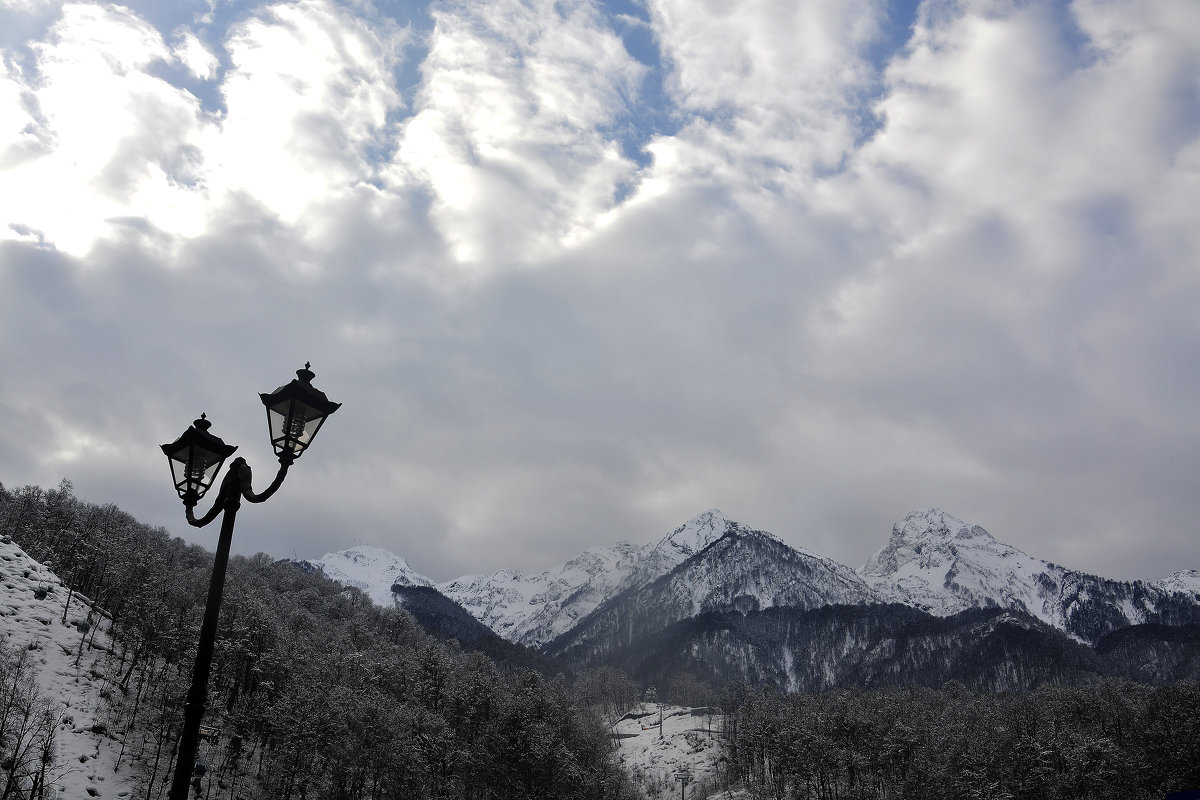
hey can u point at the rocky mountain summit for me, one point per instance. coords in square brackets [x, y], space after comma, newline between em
[743, 571]
[937, 563]
[372, 569]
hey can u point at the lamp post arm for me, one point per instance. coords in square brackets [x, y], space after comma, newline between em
[285, 461]
[228, 491]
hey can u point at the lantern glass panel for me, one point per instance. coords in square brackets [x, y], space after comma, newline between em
[195, 458]
[194, 468]
[293, 424]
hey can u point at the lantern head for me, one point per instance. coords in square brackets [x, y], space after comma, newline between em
[196, 458]
[295, 412]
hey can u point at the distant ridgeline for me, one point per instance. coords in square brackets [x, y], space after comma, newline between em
[941, 601]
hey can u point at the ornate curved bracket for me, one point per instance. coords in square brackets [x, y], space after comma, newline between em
[285, 461]
[237, 483]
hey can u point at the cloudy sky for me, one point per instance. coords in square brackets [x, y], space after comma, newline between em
[580, 270]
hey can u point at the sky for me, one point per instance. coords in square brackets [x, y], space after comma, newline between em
[581, 270]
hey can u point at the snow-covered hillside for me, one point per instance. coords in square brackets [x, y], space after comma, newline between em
[64, 672]
[1186, 581]
[940, 564]
[688, 742]
[532, 609]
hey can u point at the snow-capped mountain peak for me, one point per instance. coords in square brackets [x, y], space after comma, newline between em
[532, 609]
[659, 558]
[924, 536]
[372, 569]
[697, 533]
[938, 563]
[1185, 581]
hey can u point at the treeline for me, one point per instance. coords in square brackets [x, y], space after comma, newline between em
[316, 693]
[1115, 740]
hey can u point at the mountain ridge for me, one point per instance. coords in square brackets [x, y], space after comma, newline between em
[932, 561]
[936, 562]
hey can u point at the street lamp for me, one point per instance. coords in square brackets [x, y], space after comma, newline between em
[295, 412]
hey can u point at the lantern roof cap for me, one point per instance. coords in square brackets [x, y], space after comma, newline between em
[198, 435]
[301, 388]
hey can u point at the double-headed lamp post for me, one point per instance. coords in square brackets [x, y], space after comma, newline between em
[295, 412]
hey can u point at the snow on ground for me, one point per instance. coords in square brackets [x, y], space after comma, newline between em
[689, 741]
[32, 599]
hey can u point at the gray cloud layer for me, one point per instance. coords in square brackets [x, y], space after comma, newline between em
[831, 287]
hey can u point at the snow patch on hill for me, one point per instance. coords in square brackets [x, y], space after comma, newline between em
[689, 741]
[32, 600]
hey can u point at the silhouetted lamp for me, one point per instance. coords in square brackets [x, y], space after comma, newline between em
[196, 458]
[295, 412]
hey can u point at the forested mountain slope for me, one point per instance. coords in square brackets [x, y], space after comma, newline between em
[318, 692]
[744, 570]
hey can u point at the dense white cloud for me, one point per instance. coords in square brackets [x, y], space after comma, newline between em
[307, 99]
[769, 92]
[102, 140]
[779, 269]
[513, 130]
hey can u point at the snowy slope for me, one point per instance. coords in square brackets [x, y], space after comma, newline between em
[65, 675]
[689, 741]
[745, 570]
[533, 609]
[936, 562]
[940, 564]
[1185, 582]
[372, 569]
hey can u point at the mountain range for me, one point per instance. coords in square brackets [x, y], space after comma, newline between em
[740, 600]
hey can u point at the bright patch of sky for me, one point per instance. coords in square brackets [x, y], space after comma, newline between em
[581, 269]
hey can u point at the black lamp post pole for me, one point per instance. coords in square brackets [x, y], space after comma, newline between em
[235, 486]
[295, 412]
[197, 696]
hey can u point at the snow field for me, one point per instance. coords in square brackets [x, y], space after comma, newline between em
[690, 741]
[66, 669]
